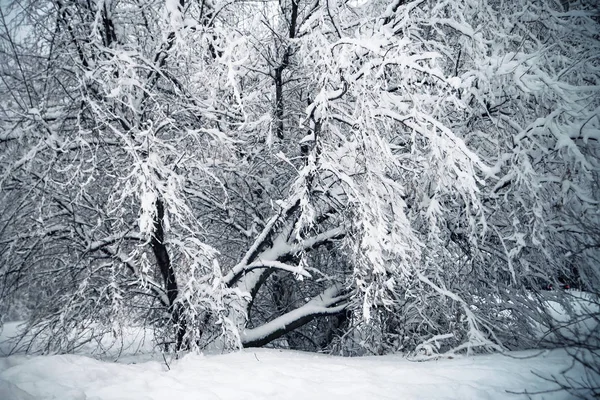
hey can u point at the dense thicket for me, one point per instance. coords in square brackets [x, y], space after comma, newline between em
[321, 175]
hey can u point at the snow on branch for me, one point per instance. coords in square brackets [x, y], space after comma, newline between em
[266, 231]
[280, 249]
[238, 270]
[329, 302]
[477, 337]
[98, 244]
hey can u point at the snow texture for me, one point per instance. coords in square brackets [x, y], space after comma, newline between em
[266, 374]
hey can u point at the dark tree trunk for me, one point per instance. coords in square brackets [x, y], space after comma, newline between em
[279, 100]
[278, 73]
[168, 273]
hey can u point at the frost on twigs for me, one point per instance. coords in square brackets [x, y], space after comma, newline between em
[215, 170]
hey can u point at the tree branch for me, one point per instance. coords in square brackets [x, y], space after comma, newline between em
[329, 302]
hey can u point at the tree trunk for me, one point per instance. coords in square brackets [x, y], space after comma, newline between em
[168, 273]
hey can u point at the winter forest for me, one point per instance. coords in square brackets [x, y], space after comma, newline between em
[350, 177]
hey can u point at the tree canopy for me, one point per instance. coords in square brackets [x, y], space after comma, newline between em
[355, 177]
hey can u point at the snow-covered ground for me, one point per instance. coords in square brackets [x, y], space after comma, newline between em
[273, 374]
[266, 374]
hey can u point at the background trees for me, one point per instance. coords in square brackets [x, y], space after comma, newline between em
[316, 175]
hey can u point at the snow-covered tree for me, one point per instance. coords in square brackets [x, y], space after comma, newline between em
[354, 176]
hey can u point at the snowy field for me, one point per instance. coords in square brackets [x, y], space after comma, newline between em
[274, 374]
